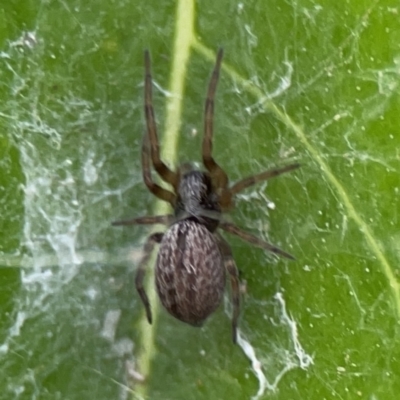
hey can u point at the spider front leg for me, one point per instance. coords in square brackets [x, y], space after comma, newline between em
[233, 272]
[218, 175]
[157, 190]
[165, 173]
[153, 239]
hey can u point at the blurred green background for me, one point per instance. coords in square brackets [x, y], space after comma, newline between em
[315, 83]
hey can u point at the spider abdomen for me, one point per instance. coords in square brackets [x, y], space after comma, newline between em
[190, 275]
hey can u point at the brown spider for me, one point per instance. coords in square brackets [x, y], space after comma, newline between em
[193, 256]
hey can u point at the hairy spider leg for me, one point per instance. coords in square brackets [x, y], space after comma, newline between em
[146, 220]
[141, 271]
[218, 175]
[165, 173]
[228, 194]
[233, 272]
[248, 237]
[261, 177]
[157, 190]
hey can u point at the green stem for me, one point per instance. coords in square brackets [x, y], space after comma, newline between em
[183, 39]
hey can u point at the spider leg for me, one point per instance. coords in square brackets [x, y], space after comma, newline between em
[232, 270]
[165, 173]
[228, 194]
[248, 237]
[157, 190]
[218, 175]
[147, 220]
[140, 273]
[261, 177]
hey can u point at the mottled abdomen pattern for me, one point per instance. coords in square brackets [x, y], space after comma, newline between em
[190, 275]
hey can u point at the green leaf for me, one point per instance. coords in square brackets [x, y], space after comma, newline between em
[301, 82]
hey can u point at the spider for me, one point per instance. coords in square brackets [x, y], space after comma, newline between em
[193, 256]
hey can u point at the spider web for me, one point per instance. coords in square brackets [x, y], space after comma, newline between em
[71, 127]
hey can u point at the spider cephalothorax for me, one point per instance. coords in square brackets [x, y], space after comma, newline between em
[193, 256]
[197, 200]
